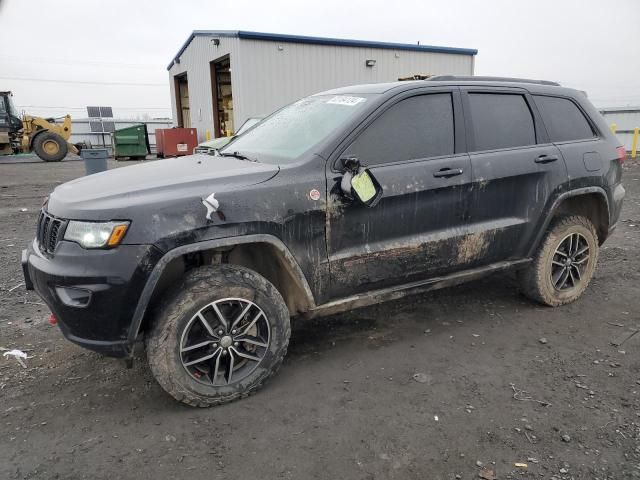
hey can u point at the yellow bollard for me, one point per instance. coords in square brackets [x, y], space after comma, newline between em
[613, 128]
[207, 135]
[634, 142]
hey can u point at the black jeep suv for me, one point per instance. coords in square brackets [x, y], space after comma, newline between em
[342, 199]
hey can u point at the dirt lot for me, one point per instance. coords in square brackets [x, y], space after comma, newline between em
[499, 380]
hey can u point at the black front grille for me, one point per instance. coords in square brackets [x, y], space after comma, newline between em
[48, 232]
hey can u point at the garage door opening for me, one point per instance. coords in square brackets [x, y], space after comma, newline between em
[182, 100]
[222, 97]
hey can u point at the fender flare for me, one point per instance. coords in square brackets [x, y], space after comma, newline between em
[556, 203]
[158, 269]
[32, 137]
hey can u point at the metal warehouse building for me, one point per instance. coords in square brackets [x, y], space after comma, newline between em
[220, 78]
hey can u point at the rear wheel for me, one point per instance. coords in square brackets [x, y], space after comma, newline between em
[220, 337]
[564, 264]
[50, 147]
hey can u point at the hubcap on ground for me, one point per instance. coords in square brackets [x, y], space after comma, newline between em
[569, 262]
[224, 341]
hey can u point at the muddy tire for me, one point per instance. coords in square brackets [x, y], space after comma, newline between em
[219, 337]
[50, 147]
[564, 264]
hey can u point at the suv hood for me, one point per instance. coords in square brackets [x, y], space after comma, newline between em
[127, 192]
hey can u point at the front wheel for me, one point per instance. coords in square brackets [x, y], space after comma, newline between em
[50, 146]
[220, 337]
[564, 263]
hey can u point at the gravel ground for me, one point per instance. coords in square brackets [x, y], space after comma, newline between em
[459, 383]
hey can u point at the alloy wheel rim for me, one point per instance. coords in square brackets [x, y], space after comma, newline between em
[225, 341]
[569, 262]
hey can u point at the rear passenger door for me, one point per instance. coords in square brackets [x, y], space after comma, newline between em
[584, 151]
[515, 170]
[414, 146]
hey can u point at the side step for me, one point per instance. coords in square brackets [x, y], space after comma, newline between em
[393, 293]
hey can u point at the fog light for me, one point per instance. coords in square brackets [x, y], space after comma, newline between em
[74, 297]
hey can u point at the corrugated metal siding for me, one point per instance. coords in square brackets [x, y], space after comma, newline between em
[625, 121]
[265, 77]
[81, 131]
[273, 78]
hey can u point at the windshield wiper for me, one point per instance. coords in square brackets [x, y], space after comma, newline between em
[236, 155]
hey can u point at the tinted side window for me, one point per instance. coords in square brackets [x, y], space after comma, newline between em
[417, 127]
[501, 121]
[563, 119]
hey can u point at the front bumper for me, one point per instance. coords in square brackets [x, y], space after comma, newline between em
[92, 293]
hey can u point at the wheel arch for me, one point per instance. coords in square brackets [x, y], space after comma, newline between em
[590, 202]
[265, 254]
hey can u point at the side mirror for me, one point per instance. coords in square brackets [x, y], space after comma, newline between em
[362, 186]
[350, 164]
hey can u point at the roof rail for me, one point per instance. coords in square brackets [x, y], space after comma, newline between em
[463, 78]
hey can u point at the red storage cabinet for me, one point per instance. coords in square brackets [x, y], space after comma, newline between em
[175, 142]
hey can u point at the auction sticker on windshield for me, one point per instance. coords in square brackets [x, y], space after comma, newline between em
[345, 100]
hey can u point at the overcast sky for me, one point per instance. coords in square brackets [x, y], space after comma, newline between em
[59, 56]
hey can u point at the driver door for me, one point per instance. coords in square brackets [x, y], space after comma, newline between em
[414, 147]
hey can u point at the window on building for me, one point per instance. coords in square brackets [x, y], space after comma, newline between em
[501, 121]
[563, 119]
[417, 127]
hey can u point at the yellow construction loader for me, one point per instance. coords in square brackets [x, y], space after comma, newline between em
[48, 139]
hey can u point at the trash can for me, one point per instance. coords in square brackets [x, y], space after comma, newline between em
[132, 142]
[95, 159]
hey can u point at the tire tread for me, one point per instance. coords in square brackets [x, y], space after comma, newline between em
[212, 277]
[532, 277]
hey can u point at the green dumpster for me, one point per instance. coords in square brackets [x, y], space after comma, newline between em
[132, 142]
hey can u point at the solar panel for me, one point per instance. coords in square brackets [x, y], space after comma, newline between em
[108, 126]
[96, 126]
[100, 112]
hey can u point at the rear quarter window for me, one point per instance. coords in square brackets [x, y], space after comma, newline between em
[564, 120]
[501, 120]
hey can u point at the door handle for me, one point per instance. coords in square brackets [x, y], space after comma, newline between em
[546, 158]
[447, 172]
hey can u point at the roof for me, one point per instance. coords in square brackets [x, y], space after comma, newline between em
[475, 78]
[371, 87]
[339, 42]
[534, 86]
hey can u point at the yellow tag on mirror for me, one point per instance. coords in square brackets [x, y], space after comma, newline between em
[363, 186]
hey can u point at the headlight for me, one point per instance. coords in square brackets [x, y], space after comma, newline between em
[96, 234]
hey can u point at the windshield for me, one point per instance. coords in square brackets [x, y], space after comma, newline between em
[12, 108]
[288, 133]
[250, 122]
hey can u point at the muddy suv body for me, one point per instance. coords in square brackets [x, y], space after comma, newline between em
[214, 254]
